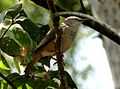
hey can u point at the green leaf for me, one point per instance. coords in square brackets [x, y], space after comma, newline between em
[21, 37]
[29, 83]
[4, 61]
[13, 76]
[5, 85]
[28, 87]
[54, 74]
[35, 32]
[14, 11]
[16, 79]
[52, 85]
[38, 69]
[4, 4]
[36, 13]
[40, 84]
[23, 40]
[0, 83]
[21, 44]
[20, 87]
[24, 87]
[5, 71]
[22, 13]
[2, 66]
[9, 46]
[70, 5]
[17, 64]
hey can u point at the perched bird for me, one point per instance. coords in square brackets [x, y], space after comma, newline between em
[47, 46]
[108, 11]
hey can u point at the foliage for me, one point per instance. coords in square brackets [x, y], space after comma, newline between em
[22, 27]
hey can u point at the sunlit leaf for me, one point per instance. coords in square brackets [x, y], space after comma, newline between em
[17, 64]
[4, 4]
[4, 61]
[0, 83]
[24, 86]
[5, 85]
[20, 87]
[36, 13]
[2, 66]
[28, 87]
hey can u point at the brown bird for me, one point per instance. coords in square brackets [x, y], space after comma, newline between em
[47, 46]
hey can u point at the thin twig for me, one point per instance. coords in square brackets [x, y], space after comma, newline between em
[59, 53]
[8, 81]
[95, 24]
[82, 6]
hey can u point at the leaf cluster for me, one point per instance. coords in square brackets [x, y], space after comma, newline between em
[21, 29]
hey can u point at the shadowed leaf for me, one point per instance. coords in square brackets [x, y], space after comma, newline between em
[9, 46]
[14, 11]
[30, 27]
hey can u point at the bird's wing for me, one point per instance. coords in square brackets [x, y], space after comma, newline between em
[48, 38]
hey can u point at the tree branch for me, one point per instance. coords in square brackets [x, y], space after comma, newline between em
[59, 53]
[95, 24]
[82, 6]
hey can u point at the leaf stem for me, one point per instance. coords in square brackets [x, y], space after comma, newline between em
[82, 6]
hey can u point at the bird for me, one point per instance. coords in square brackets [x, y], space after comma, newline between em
[108, 11]
[46, 47]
